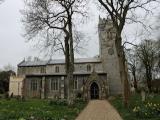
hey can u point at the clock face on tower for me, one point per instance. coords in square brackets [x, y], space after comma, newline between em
[111, 51]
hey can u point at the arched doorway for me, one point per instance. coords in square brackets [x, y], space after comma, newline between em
[94, 91]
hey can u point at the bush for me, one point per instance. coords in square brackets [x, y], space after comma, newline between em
[79, 100]
[147, 110]
[37, 109]
[1, 90]
[1, 96]
[79, 95]
[61, 102]
[6, 95]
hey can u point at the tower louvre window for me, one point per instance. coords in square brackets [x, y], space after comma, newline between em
[110, 35]
[88, 68]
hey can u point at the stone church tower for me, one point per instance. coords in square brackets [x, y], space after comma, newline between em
[109, 56]
[94, 78]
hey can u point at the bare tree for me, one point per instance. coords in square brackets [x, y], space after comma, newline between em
[4, 80]
[119, 11]
[158, 60]
[53, 21]
[9, 67]
[1, 1]
[148, 52]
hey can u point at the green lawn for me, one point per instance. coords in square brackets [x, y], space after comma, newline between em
[145, 112]
[38, 110]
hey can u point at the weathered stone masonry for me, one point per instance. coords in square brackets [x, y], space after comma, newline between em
[94, 78]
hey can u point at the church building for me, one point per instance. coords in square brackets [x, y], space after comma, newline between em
[94, 78]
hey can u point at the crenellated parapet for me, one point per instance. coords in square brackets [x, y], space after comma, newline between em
[108, 55]
[105, 24]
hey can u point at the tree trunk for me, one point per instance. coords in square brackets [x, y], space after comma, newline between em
[66, 65]
[135, 80]
[149, 78]
[71, 80]
[122, 68]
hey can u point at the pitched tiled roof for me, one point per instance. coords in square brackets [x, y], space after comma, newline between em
[32, 63]
[57, 61]
[79, 60]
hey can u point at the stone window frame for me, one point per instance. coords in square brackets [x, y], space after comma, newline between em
[57, 69]
[23, 70]
[54, 84]
[88, 68]
[43, 69]
[34, 85]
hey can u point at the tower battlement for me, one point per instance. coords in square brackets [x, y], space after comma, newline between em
[105, 23]
[108, 54]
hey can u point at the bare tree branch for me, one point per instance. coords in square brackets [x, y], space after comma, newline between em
[147, 53]
[119, 12]
[52, 21]
[1, 1]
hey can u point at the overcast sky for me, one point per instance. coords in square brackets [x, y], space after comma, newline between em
[12, 45]
[13, 48]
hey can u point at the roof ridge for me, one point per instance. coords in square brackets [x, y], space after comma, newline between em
[57, 61]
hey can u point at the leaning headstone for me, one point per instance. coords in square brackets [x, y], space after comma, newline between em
[142, 87]
[65, 117]
[132, 90]
[143, 95]
[151, 95]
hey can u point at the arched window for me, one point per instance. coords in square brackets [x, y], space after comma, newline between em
[54, 84]
[57, 69]
[43, 70]
[110, 35]
[34, 85]
[88, 68]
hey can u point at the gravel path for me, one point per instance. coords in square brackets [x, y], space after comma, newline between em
[99, 110]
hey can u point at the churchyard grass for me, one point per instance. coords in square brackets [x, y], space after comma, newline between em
[138, 110]
[36, 109]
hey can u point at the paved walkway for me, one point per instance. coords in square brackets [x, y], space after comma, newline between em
[99, 110]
